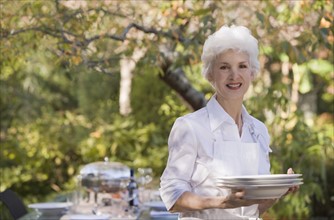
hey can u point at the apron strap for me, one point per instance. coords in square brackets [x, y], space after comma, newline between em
[258, 137]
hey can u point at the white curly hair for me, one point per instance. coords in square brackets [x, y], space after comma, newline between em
[234, 37]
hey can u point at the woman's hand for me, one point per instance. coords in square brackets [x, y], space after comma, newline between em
[266, 205]
[294, 188]
[236, 200]
[189, 201]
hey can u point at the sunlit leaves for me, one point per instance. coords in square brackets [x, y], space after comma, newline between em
[58, 112]
[302, 77]
[322, 67]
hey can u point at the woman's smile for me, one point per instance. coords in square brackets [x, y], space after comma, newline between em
[234, 86]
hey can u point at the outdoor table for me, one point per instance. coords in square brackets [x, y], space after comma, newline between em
[144, 215]
[34, 215]
[145, 211]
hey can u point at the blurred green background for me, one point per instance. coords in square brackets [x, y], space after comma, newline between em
[84, 80]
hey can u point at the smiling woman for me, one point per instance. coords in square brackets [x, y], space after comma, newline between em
[219, 140]
[231, 75]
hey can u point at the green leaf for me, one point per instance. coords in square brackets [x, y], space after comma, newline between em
[284, 57]
[203, 11]
[305, 83]
[321, 67]
[266, 49]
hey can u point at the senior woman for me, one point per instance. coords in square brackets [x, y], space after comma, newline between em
[221, 139]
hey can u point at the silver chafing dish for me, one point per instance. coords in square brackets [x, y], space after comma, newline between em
[104, 177]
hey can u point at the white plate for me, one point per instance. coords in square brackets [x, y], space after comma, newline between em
[51, 208]
[248, 186]
[252, 182]
[156, 205]
[87, 217]
[50, 205]
[163, 215]
[265, 192]
[261, 191]
[260, 177]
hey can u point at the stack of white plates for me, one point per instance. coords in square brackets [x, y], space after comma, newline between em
[156, 205]
[51, 208]
[261, 186]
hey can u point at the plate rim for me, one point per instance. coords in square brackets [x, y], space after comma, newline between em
[260, 182]
[57, 205]
[260, 186]
[262, 197]
[96, 217]
[260, 177]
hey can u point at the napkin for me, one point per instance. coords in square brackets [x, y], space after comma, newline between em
[87, 217]
[161, 215]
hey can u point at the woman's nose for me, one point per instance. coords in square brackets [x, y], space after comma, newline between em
[233, 73]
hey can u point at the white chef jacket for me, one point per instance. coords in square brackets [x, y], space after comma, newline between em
[191, 145]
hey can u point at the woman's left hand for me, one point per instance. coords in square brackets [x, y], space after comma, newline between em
[294, 188]
[268, 203]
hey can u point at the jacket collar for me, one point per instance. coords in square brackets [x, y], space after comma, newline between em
[218, 116]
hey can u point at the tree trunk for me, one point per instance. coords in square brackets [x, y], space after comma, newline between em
[178, 81]
[127, 66]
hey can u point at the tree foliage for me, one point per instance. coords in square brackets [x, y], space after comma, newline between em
[60, 85]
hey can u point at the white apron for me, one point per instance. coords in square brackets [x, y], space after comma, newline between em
[229, 158]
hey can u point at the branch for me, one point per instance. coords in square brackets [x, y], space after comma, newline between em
[93, 63]
[60, 34]
[177, 80]
[68, 17]
[122, 37]
[104, 71]
[6, 33]
[52, 32]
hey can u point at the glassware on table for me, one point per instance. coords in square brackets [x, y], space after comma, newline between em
[102, 179]
[145, 176]
[82, 199]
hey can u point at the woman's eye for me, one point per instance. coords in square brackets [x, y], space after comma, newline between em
[243, 66]
[224, 67]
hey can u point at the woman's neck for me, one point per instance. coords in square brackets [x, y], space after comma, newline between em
[233, 108]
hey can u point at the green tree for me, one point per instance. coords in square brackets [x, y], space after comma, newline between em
[61, 79]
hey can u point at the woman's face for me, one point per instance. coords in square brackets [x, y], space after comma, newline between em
[231, 75]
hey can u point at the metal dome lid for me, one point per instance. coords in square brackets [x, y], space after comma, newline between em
[106, 170]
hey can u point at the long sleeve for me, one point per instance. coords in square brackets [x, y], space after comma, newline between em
[175, 179]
